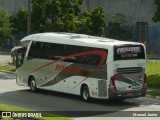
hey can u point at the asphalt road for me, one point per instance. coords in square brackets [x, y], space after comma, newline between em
[65, 104]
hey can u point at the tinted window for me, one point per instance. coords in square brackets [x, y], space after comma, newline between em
[55, 51]
[129, 52]
[34, 50]
[41, 50]
[91, 59]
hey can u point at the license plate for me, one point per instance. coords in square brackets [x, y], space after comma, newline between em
[129, 94]
[136, 87]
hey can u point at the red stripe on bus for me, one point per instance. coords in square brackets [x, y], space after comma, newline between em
[101, 53]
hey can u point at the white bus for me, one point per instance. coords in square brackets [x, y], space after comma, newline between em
[92, 67]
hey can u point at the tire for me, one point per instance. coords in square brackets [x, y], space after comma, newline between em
[85, 94]
[32, 85]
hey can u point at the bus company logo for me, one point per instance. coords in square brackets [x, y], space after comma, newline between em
[21, 114]
[128, 49]
[133, 83]
[71, 69]
[6, 114]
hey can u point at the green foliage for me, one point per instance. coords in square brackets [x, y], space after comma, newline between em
[153, 74]
[39, 16]
[98, 21]
[66, 16]
[154, 93]
[156, 17]
[5, 25]
[63, 16]
[7, 68]
[19, 20]
[92, 22]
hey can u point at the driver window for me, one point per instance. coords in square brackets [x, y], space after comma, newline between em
[20, 57]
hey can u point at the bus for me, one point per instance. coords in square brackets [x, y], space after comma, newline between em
[84, 65]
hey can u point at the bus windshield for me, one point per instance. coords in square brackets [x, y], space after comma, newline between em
[129, 52]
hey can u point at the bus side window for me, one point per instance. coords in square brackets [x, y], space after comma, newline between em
[52, 51]
[70, 50]
[90, 59]
[48, 51]
[34, 50]
[42, 50]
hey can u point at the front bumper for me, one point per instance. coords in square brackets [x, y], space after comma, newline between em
[126, 94]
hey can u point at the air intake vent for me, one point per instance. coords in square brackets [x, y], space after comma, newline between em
[102, 88]
[129, 70]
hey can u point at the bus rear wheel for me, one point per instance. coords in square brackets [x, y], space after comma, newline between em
[85, 94]
[32, 85]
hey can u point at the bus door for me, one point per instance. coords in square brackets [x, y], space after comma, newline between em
[19, 63]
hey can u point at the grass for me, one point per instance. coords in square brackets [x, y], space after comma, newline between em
[153, 67]
[13, 108]
[7, 68]
[153, 74]
[154, 93]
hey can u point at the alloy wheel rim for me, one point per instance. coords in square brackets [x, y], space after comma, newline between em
[33, 84]
[85, 94]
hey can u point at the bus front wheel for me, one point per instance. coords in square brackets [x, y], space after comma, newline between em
[32, 85]
[85, 93]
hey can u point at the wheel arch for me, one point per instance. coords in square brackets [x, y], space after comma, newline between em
[83, 84]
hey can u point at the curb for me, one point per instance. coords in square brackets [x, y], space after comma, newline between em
[150, 96]
[11, 72]
[5, 53]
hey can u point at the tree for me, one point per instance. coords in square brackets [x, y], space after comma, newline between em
[71, 19]
[156, 17]
[65, 16]
[39, 16]
[96, 22]
[5, 25]
[19, 20]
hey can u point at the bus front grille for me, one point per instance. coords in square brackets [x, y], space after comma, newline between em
[129, 70]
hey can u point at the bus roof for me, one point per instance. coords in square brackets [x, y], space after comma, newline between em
[74, 39]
